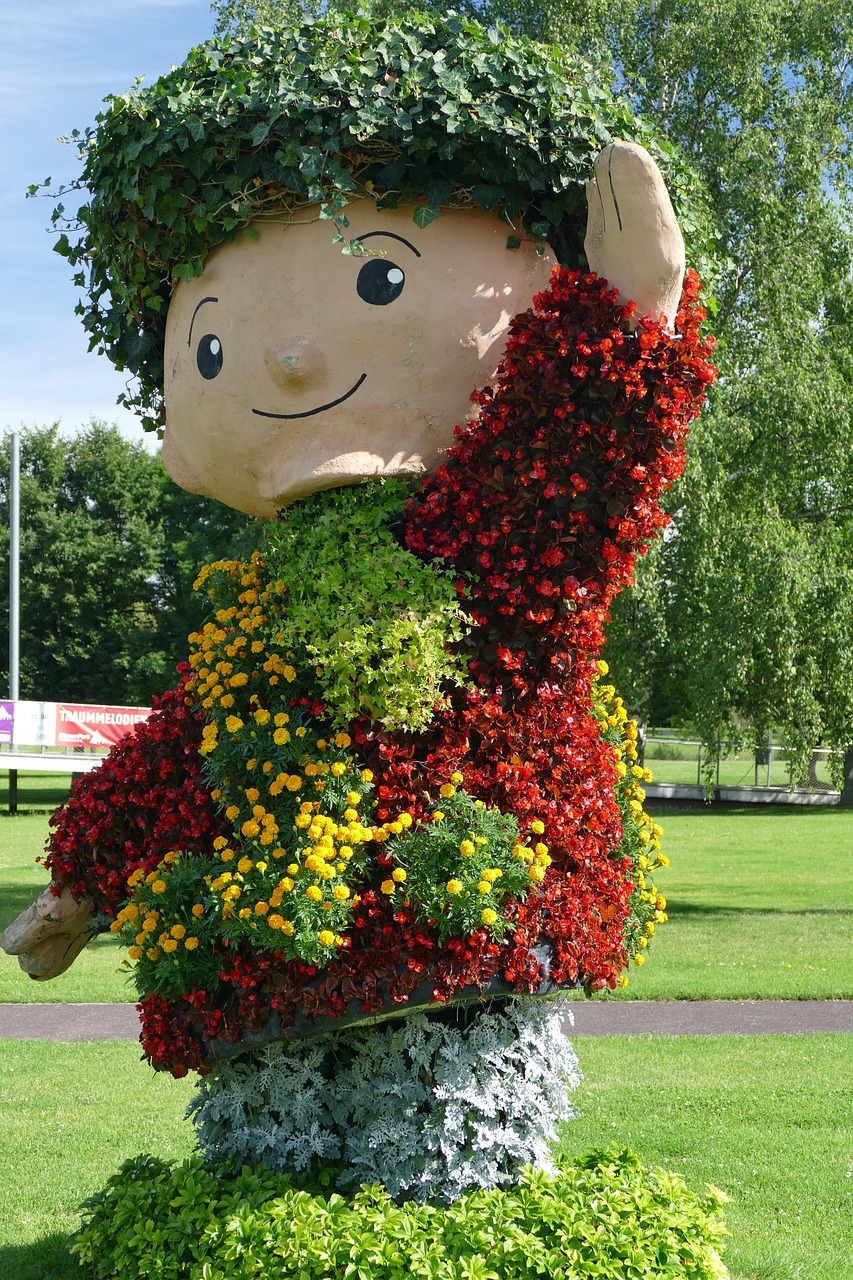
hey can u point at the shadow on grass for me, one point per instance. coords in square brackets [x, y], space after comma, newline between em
[684, 910]
[44, 1259]
[660, 806]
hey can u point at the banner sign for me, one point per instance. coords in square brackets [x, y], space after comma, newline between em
[66, 724]
[85, 726]
[7, 721]
[34, 724]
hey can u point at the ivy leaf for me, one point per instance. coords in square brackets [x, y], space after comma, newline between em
[424, 215]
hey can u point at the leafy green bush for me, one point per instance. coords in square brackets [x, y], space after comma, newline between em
[602, 1216]
[377, 623]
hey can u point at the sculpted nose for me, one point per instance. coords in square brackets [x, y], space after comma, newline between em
[296, 363]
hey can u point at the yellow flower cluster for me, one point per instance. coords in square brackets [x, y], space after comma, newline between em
[141, 919]
[642, 835]
[227, 655]
[305, 887]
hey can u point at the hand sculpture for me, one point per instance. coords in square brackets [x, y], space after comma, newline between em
[49, 935]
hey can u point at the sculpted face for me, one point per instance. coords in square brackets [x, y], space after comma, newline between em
[291, 367]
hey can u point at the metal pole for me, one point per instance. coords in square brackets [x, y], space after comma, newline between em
[14, 589]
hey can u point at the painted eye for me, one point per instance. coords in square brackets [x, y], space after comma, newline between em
[380, 282]
[208, 357]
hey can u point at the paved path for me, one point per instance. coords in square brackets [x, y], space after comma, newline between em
[591, 1018]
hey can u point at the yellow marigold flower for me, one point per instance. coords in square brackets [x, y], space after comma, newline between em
[233, 724]
[134, 952]
[405, 820]
[340, 892]
[483, 886]
[338, 768]
[191, 943]
[115, 925]
[253, 794]
[639, 960]
[177, 931]
[326, 938]
[650, 928]
[275, 921]
[232, 812]
[456, 779]
[301, 731]
[288, 928]
[290, 675]
[314, 893]
[537, 826]
[149, 924]
[489, 916]
[237, 681]
[350, 815]
[227, 700]
[438, 816]
[294, 782]
[399, 875]
[141, 939]
[198, 910]
[281, 737]
[466, 848]
[250, 828]
[447, 791]
[261, 908]
[343, 740]
[366, 774]
[603, 668]
[353, 797]
[454, 887]
[537, 874]
[134, 878]
[170, 945]
[159, 886]
[245, 864]
[388, 886]
[153, 953]
[226, 855]
[220, 842]
[623, 980]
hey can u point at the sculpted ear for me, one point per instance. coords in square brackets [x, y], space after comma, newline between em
[633, 239]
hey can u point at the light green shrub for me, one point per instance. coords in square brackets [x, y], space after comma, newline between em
[602, 1216]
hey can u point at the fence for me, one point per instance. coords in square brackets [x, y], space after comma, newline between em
[680, 760]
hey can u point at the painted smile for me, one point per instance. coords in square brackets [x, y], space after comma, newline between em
[309, 413]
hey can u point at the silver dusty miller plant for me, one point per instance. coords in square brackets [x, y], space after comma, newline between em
[428, 1108]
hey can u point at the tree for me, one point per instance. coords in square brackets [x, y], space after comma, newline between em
[110, 548]
[742, 618]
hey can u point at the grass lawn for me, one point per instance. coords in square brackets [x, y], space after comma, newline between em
[37, 792]
[766, 1118]
[760, 902]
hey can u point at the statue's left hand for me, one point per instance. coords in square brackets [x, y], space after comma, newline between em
[50, 933]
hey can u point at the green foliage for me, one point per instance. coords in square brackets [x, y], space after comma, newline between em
[439, 111]
[89, 552]
[109, 551]
[374, 621]
[743, 617]
[603, 1215]
[460, 867]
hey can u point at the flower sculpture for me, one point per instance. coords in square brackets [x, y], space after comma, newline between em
[391, 776]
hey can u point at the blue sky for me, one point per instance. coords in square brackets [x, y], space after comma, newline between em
[58, 60]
